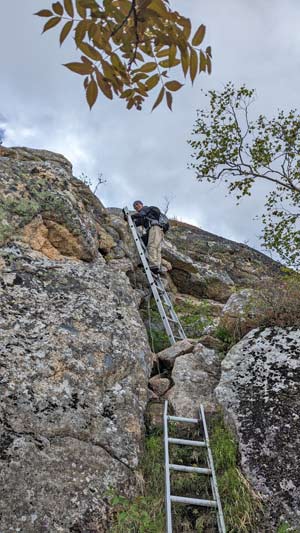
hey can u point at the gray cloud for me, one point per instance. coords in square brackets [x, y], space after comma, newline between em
[142, 154]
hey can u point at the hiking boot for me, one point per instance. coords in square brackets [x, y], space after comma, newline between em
[155, 270]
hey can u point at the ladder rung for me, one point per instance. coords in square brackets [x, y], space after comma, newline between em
[171, 320]
[194, 501]
[187, 442]
[182, 468]
[182, 419]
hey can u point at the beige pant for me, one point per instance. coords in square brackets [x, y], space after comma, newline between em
[156, 236]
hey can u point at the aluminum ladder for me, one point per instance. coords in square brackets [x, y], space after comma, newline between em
[210, 471]
[165, 308]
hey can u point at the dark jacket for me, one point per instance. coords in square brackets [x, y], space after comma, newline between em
[146, 217]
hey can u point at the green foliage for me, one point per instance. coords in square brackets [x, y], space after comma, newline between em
[241, 506]
[194, 317]
[224, 335]
[128, 48]
[158, 339]
[279, 303]
[146, 513]
[228, 146]
[285, 528]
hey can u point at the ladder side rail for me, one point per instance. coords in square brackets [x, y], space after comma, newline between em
[151, 280]
[172, 311]
[213, 474]
[167, 472]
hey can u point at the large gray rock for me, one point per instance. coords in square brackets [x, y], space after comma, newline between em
[195, 376]
[74, 366]
[168, 355]
[260, 391]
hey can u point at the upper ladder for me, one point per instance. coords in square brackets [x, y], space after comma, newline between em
[166, 310]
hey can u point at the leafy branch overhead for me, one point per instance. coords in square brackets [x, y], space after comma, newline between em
[228, 146]
[128, 48]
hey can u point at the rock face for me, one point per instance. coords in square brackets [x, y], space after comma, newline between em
[260, 391]
[75, 359]
[195, 377]
[74, 356]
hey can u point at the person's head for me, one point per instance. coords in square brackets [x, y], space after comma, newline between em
[138, 205]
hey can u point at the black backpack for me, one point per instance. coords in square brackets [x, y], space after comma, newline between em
[164, 222]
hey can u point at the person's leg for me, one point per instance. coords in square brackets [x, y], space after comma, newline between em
[154, 246]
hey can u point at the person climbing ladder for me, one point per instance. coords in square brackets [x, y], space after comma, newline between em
[155, 224]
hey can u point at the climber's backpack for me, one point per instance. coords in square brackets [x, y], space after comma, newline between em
[163, 221]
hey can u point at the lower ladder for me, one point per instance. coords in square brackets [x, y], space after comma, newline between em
[164, 305]
[209, 471]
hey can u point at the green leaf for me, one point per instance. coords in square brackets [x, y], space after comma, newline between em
[92, 93]
[69, 7]
[65, 31]
[173, 85]
[80, 68]
[199, 35]
[51, 23]
[44, 13]
[159, 98]
[58, 8]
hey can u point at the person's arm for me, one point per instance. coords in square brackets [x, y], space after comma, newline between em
[139, 218]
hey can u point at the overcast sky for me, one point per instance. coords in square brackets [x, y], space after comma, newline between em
[144, 155]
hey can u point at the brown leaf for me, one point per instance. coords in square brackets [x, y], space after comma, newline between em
[148, 67]
[152, 81]
[208, 62]
[116, 62]
[90, 51]
[51, 23]
[199, 35]
[81, 10]
[159, 7]
[173, 85]
[104, 85]
[193, 64]
[65, 31]
[58, 8]
[167, 64]
[86, 82]
[163, 53]
[80, 32]
[185, 61]
[80, 68]
[169, 100]
[44, 13]
[69, 7]
[159, 98]
[202, 66]
[187, 28]
[92, 93]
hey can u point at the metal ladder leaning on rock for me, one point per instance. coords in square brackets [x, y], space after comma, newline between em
[175, 332]
[210, 471]
[165, 308]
